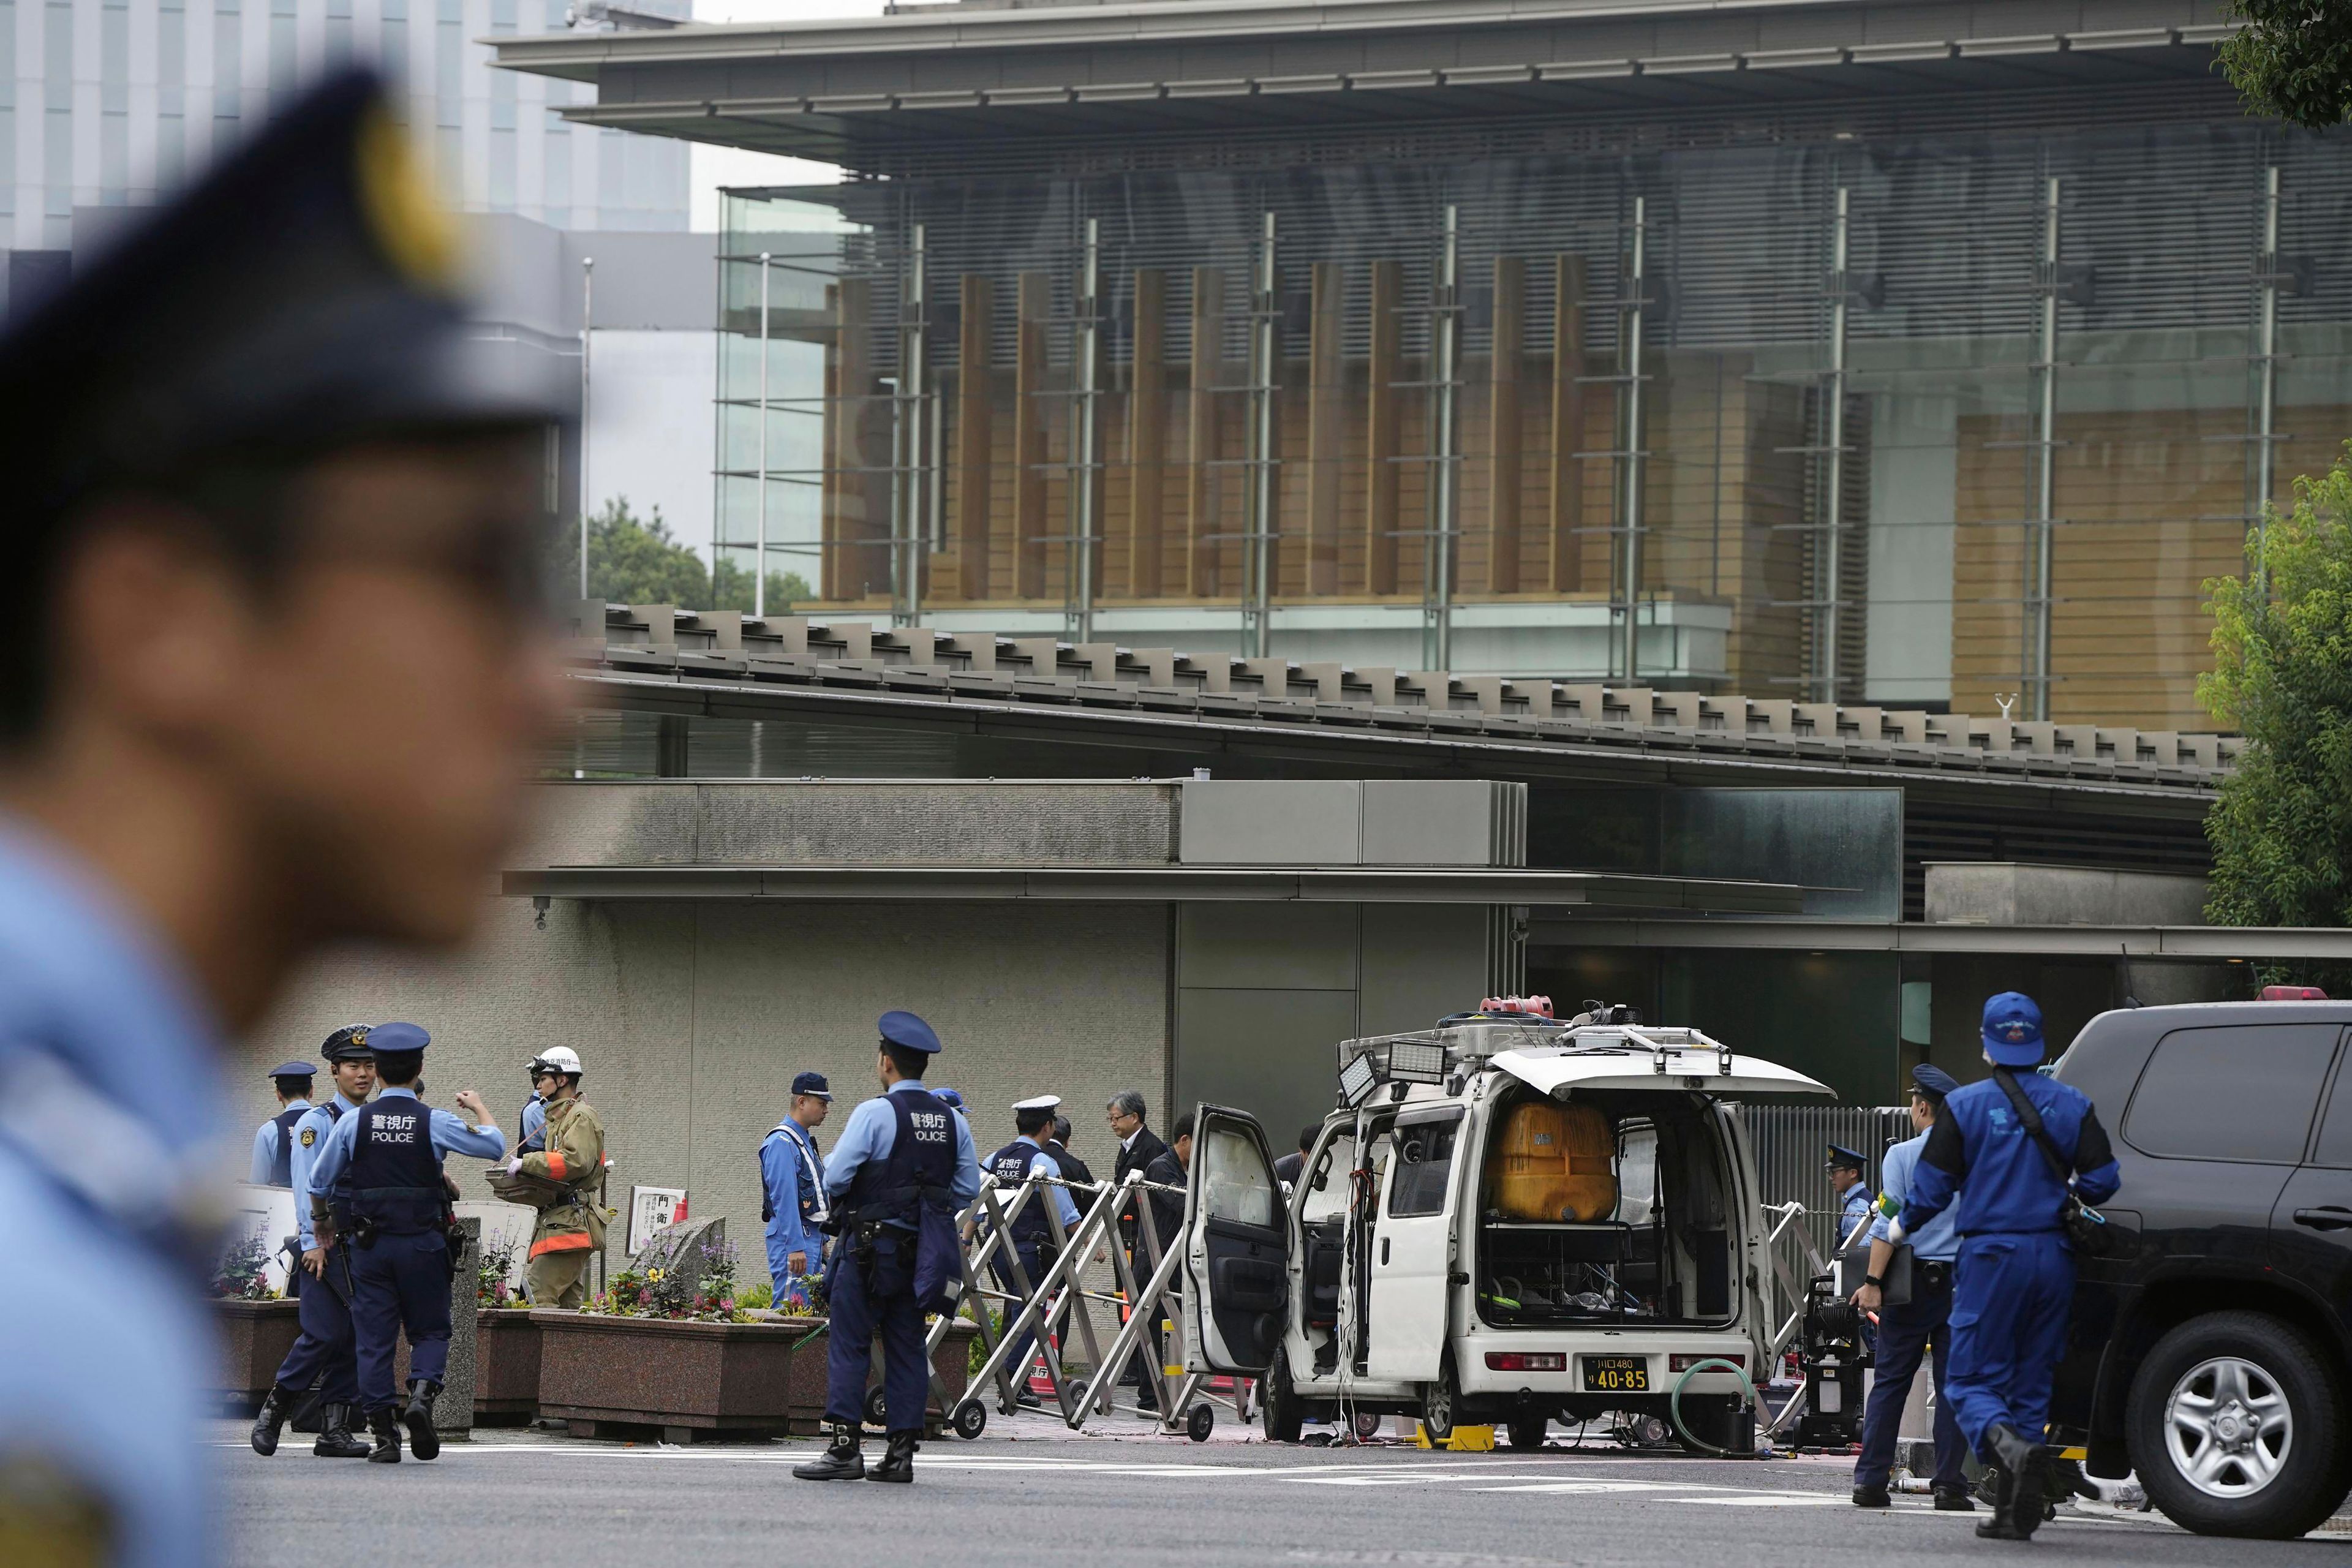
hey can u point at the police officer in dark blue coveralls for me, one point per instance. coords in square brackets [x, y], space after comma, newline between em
[900, 1154]
[378, 1178]
[2016, 1269]
[326, 1350]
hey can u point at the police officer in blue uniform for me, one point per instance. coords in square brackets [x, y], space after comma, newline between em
[253, 424]
[1850, 1179]
[1030, 1155]
[903, 1165]
[2016, 1280]
[1906, 1328]
[791, 1184]
[325, 1350]
[377, 1182]
[273, 1141]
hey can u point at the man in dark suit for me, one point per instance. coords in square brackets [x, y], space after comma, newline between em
[1138, 1147]
[1290, 1167]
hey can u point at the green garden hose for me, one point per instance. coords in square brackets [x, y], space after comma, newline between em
[1674, 1400]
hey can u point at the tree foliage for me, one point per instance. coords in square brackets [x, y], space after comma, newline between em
[2292, 60]
[634, 560]
[2281, 831]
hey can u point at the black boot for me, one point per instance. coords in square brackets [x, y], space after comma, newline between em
[276, 1406]
[1871, 1496]
[335, 1440]
[418, 1418]
[1954, 1500]
[843, 1459]
[2025, 1467]
[898, 1464]
[386, 1432]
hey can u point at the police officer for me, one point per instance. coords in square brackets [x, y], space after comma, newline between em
[249, 428]
[378, 1181]
[1907, 1327]
[1850, 1180]
[902, 1167]
[1033, 1234]
[325, 1351]
[1993, 1149]
[273, 1141]
[792, 1184]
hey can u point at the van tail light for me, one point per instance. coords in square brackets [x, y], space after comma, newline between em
[1527, 1361]
[1683, 1363]
[2293, 994]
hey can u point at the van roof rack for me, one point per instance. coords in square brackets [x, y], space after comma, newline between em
[1473, 1038]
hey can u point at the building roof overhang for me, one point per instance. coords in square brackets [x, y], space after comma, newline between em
[845, 89]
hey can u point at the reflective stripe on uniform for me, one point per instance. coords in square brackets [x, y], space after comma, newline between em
[555, 1163]
[576, 1242]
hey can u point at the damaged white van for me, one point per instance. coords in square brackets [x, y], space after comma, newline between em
[1508, 1220]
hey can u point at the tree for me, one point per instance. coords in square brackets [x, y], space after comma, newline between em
[2281, 830]
[634, 560]
[2292, 60]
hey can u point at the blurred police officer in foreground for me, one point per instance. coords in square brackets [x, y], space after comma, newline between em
[325, 1350]
[2016, 1280]
[560, 1172]
[1905, 1328]
[1033, 1234]
[273, 1141]
[904, 1165]
[266, 686]
[377, 1181]
[792, 1187]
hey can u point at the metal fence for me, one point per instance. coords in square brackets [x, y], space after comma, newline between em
[1792, 1141]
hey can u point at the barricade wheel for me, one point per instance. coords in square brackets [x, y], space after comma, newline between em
[1200, 1423]
[969, 1420]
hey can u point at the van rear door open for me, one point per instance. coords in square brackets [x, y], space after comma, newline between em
[1236, 1247]
[1414, 1250]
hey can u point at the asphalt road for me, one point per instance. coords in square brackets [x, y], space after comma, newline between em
[1023, 1492]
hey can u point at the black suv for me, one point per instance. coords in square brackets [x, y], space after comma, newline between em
[2212, 1351]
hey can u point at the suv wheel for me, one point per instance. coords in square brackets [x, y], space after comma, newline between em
[2233, 1427]
[1284, 1413]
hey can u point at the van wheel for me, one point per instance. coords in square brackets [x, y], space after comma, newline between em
[1526, 1433]
[1440, 1401]
[1284, 1413]
[2233, 1426]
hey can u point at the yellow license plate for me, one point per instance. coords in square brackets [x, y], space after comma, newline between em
[1616, 1375]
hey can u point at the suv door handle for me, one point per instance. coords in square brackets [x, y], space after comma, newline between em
[2328, 1218]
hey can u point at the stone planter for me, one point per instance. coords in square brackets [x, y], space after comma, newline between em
[505, 1367]
[629, 1376]
[255, 1338]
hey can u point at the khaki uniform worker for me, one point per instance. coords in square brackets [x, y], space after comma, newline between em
[564, 1178]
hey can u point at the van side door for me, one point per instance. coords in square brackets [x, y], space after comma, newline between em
[1414, 1246]
[1236, 1247]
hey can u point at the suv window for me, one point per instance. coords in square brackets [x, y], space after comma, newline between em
[2240, 1092]
[2335, 1126]
[1424, 1164]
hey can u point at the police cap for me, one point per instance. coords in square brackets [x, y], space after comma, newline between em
[293, 1069]
[349, 1043]
[1038, 1103]
[908, 1033]
[303, 295]
[386, 1037]
[1932, 1081]
[1841, 1155]
[949, 1096]
[811, 1084]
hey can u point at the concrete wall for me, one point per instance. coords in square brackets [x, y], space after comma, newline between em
[2002, 893]
[692, 1018]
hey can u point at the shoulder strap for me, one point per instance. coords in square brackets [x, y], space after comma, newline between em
[2034, 1128]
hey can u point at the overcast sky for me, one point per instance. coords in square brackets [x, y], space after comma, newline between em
[716, 167]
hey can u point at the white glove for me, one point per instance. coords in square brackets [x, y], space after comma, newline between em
[514, 1166]
[1895, 1231]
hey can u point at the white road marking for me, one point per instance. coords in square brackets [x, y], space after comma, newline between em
[1770, 1500]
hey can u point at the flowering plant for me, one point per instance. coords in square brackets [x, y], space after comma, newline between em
[490, 1287]
[708, 1297]
[243, 1272]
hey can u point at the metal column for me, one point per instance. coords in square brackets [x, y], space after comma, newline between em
[2038, 596]
[910, 448]
[1265, 452]
[1084, 458]
[1444, 492]
[587, 325]
[2266, 361]
[760, 550]
[1629, 527]
[1829, 604]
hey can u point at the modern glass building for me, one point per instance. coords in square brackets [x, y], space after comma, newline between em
[107, 102]
[1873, 354]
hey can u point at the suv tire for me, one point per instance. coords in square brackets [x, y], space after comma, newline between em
[2186, 1425]
[1283, 1413]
